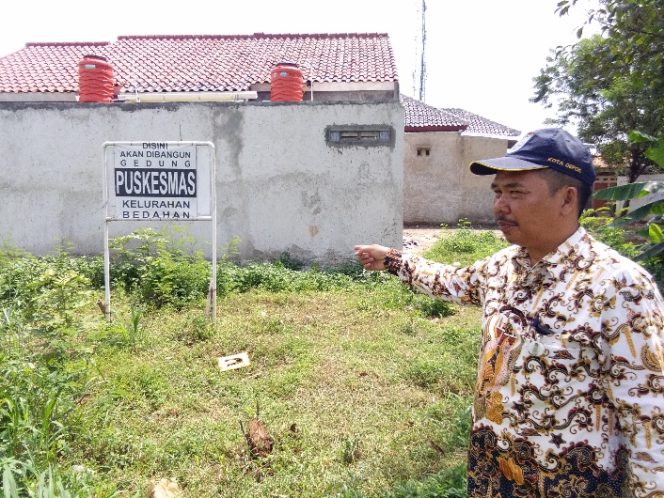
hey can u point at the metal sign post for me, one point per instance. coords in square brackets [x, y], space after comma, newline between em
[160, 181]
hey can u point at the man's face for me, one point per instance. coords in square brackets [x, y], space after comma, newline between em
[527, 212]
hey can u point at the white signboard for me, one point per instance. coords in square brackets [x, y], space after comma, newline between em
[159, 181]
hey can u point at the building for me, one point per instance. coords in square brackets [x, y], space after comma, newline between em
[349, 162]
[309, 178]
[439, 146]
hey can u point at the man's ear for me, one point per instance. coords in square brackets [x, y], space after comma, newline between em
[570, 200]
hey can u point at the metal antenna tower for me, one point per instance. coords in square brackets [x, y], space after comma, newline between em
[423, 66]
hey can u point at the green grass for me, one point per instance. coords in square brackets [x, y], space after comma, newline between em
[465, 245]
[364, 386]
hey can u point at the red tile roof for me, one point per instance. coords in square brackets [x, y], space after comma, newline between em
[202, 62]
[423, 117]
[477, 125]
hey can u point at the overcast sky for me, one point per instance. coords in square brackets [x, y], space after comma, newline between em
[481, 55]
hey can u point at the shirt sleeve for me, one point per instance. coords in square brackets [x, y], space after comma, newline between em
[633, 336]
[438, 280]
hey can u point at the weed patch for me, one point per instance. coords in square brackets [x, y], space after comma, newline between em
[450, 483]
[465, 245]
[348, 368]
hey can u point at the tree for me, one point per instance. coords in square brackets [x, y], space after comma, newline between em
[612, 82]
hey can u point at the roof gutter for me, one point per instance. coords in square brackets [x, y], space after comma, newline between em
[149, 97]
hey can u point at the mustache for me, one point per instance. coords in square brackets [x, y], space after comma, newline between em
[502, 219]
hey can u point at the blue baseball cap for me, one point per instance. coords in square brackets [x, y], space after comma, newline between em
[552, 148]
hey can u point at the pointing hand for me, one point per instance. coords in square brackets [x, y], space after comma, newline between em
[372, 257]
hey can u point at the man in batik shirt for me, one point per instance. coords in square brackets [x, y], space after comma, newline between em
[569, 399]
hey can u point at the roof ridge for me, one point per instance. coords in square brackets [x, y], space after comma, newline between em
[254, 35]
[452, 111]
[480, 120]
[67, 44]
[421, 116]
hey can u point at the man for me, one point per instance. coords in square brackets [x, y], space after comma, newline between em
[569, 399]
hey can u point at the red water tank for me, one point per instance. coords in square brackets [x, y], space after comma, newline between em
[95, 79]
[287, 83]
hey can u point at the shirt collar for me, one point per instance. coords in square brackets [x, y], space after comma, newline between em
[571, 253]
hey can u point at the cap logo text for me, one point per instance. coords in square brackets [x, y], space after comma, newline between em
[571, 166]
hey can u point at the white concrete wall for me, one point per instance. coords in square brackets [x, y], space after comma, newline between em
[440, 188]
[280, 187]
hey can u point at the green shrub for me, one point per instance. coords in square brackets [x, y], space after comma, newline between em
[465, 246]
[270, 277]
[47, 293]
[275, 277]
[153, 271]
[602, 225]
[599, 223]
[16, 280]
[158, 271]
[37, 393]
[647, 221]
[433, 308]
[655, 266]
[17, 480]
[32, 405]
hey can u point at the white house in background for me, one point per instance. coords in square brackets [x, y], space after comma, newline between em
[291, 176]
[439, 146]
[310, 178]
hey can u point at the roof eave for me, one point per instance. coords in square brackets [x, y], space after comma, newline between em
[38, 96]
[418, 129]
[490, 135]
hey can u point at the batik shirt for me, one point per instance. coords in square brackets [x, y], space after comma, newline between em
[569, 400]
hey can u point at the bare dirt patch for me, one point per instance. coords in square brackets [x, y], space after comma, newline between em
[419, 239]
